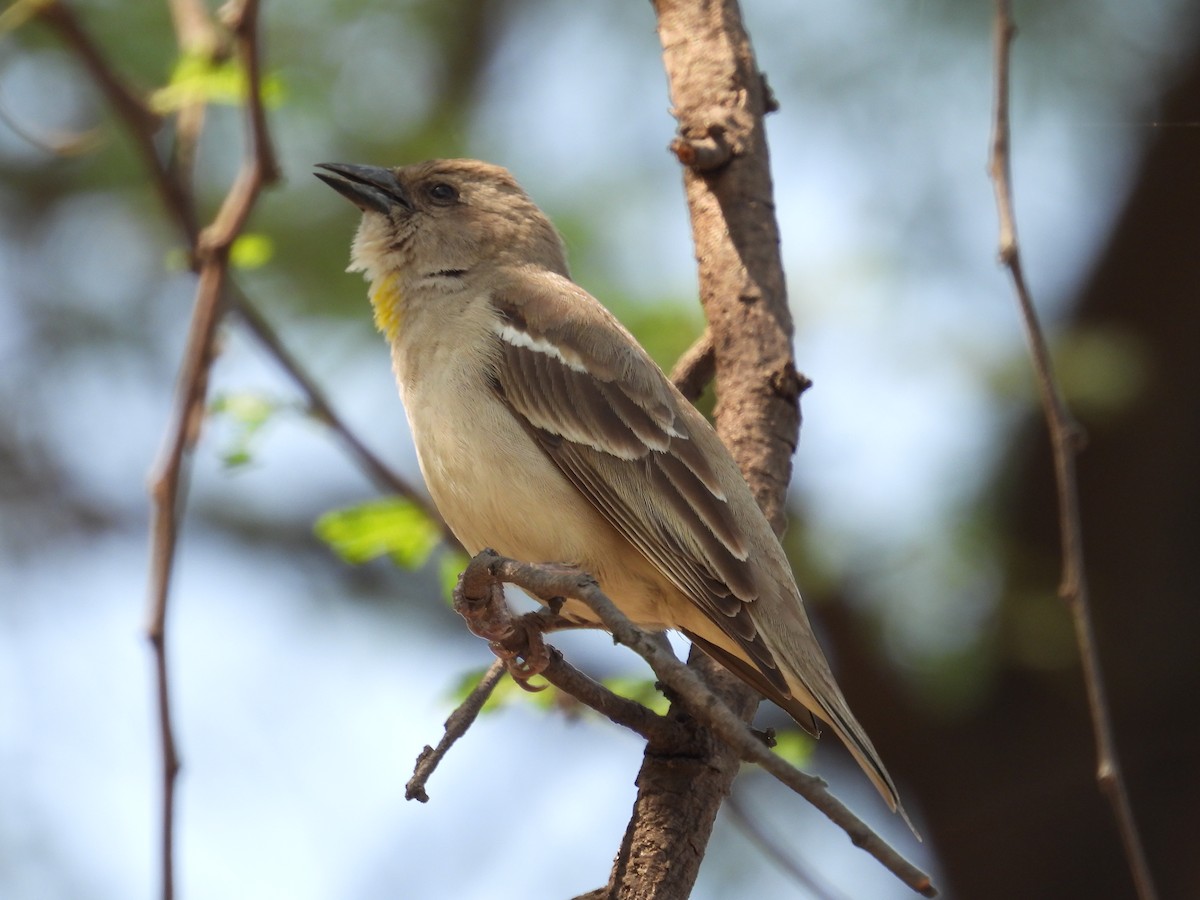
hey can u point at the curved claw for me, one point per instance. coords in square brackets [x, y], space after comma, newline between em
[524, 665]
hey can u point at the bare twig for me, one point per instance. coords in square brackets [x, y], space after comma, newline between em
[168, 480]
[488, 569]
[456, 726]
[784, 858]
[384, 478]
[208, 254]
[615, 708]
[1066, 439]
[695, 368]
[199, 38]
[516, 640]
[167, 488]
[140, 122]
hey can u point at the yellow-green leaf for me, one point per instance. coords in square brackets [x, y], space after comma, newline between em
[640, 690]
[201, 79]
[250, 251]
[248, 412]
[795, 746]
[393, 527]
[450, 566]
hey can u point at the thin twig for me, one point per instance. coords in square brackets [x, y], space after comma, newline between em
[491, 618]
[168, 481]
[1066, 440]
[208, 256]
[168, 487]
[140, 122]
[320, 408]
[488, 568]
[696, 367]
[456, 726]
[591, 693]
[785, 859]
[198, 37]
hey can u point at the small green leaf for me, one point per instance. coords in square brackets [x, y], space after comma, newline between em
[450, 566]
[251, 251]
[247, 408]
[236, 458]
[248, 412]
[640, 690]
[795, 746]
[393, 527]
[199, 78]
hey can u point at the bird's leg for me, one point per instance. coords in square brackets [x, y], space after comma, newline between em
[517, 641]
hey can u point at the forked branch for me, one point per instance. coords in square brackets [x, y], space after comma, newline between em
[480, 585]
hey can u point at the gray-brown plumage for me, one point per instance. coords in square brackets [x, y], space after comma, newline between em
[545, 431]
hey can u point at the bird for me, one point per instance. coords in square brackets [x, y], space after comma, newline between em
[545, 431]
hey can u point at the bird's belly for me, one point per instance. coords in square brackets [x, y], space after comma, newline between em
[496, 488]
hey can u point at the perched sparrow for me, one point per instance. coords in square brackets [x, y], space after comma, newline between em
[546, 432]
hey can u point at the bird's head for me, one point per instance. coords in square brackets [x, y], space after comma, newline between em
[444, 215]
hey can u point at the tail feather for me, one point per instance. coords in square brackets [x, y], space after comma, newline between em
[804, 707]
[852, 735]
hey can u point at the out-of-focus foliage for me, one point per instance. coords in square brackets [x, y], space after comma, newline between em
[202, 79]
[392, 527]
[248, 413]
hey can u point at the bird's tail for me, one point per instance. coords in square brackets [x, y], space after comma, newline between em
[806, 706]
[820, 694]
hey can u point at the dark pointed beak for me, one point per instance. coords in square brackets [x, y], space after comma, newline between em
[370, 188]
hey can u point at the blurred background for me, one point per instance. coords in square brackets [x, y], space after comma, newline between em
[923, 514]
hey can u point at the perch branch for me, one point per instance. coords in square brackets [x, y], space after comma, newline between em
[479, 599]
[1066, 440]
[481, 603]
[487, 570]
[456, 726]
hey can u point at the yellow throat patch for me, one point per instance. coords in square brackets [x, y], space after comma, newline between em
[388, 304]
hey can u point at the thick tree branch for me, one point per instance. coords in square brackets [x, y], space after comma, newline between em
[719, 98]
[1066, 439]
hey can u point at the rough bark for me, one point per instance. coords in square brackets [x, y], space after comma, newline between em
[719, 99]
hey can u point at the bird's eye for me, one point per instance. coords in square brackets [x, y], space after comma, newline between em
[442, 193]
